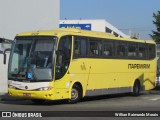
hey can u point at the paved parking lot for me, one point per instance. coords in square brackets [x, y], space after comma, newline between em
[147, 101]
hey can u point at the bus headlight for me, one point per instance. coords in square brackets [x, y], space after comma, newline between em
[11, 86]
[45, 88]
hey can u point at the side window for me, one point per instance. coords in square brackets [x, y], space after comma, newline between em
[142, 51]
[80, 47]
[132, 50]
[95, 47]
[107, 49]
[63, 56]
[152, 51]
[121, 50]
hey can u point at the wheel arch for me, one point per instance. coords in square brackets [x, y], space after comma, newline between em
[138, 80]
[136, 88]
[78, 84]
[139, 83]
[76, 92]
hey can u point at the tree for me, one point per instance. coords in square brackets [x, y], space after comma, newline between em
[156, 34]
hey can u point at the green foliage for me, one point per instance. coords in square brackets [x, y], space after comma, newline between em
[156, 34]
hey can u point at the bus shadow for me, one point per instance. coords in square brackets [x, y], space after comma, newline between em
[17, 101]
[64, 102]
[107, 97]
[29, 102]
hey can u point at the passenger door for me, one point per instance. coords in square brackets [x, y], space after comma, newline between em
[63, 56]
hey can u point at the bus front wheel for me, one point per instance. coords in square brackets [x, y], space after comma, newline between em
[76, 94]
[136, 88]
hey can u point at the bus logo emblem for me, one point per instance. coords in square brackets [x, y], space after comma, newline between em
[26, 87]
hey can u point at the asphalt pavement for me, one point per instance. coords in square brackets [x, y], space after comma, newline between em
[6, 97]
[147, 101]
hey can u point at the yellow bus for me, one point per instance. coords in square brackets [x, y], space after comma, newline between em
[70, 64]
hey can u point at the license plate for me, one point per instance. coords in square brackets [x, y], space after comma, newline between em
[26, 94]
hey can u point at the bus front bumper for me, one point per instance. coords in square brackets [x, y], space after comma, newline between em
[45, 95]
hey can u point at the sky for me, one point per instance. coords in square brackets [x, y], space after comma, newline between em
[126, 15]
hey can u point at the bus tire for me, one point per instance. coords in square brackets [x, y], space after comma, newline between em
[76, 94]
[136, 88]
[38, 101]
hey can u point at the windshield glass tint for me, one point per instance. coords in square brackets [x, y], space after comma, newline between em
[32, 56]
[41, 55]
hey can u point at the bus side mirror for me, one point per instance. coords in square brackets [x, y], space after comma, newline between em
[5, 56]
[4, 59]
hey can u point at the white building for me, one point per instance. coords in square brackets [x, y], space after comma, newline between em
[18, 16]
[94, 25]
[26, 15]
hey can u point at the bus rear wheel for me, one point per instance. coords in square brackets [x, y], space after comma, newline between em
[76, 94]
[136, 88]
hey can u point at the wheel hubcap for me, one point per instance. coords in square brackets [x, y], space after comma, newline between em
[74, 94]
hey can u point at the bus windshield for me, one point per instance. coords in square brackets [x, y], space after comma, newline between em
[32, 59]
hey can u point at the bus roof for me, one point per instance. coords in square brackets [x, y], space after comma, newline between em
[72, 31]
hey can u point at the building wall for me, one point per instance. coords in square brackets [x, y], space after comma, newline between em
[96, 25]
[27, 15]
[18, 16]
[3, 75]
